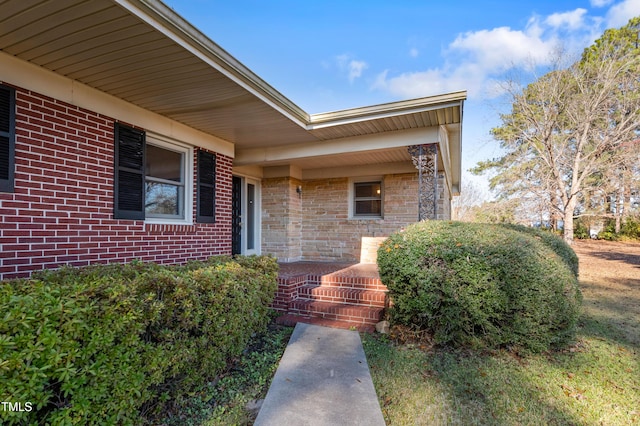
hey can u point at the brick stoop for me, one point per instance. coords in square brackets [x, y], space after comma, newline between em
[336, 295]
[291, 320]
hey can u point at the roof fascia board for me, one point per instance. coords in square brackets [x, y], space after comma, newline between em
[445, 155]
[172, 25]
[393, 109]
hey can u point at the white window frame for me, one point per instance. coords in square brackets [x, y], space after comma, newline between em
[187, 151]
[352, 197]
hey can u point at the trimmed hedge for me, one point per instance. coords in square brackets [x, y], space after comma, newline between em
[111, 344]
[482, 286]
[554, 242]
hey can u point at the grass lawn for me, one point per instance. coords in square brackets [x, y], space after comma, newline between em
[595, 381]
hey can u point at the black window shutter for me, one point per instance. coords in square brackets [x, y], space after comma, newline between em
[206, 187]
[7, 138]
[129, 171]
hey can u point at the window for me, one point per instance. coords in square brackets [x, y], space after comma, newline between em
[367, 199]
[7, 138]
[164, 183]
[153, 179]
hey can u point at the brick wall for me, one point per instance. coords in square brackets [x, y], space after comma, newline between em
[62, 209]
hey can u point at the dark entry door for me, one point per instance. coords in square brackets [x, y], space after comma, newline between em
[236, 216]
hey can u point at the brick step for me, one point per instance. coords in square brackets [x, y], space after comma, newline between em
[349, 296]
[291, 320]
[336, 311]
[346, 281]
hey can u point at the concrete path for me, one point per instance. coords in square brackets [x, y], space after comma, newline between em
[323, 379]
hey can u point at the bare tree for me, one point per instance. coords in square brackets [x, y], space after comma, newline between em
[498, 211]
[463, 207]
[569, 125]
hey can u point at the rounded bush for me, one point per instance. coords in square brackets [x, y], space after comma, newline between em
[482, 286]
[554, 242]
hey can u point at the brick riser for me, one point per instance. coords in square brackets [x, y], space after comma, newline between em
[347, 296]
[341, 300]
[337, 311]
[347, 282]
[291, 320]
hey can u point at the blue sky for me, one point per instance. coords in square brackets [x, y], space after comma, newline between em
[337, 54]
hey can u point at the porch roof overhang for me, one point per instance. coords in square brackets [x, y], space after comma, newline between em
[144, 53]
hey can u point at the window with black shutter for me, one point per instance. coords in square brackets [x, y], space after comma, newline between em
[129, 170]
[206, 187]
[7, 138]
[165, 181]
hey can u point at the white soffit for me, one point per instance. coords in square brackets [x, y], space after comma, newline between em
[144, 53]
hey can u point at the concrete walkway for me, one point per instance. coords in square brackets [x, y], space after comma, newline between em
[323, 379]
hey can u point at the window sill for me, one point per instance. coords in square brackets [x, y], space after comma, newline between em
[163, 221]
[368, 218]
[165, 228]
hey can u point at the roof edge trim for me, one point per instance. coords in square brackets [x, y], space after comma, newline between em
[170, 23]
[327, 119]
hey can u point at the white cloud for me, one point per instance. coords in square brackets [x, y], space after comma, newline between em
[478, 61]
[502, 48]
[620, 13]
[352, 67]
[342, 60]
[356, 68]
[572, 20]
[478, 56]
[413, 52]
[429, 82]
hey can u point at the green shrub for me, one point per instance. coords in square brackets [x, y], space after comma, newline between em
[553, 241]
[609, 231]
[580, 230]
[110, 344]
[482, 286]
[631, 228]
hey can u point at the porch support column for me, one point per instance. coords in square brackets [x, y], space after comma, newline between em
[425, 159]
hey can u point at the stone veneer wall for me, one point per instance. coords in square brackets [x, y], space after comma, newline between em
[316, 225]
[444, 199]
[329, 233]
[282, 218]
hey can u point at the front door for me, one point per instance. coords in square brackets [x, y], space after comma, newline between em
[236, 216]
[245, 222]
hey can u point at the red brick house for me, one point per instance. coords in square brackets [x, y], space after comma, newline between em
[125, 133]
